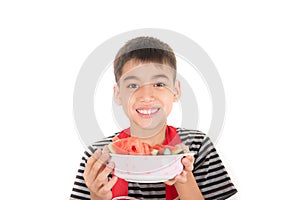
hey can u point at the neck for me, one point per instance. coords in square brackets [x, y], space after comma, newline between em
[149, 136]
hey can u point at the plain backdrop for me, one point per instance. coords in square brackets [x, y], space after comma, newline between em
[255, 46]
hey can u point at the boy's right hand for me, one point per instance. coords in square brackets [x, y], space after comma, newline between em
[96, 176]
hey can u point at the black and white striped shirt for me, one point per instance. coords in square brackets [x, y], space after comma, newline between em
[209, 172]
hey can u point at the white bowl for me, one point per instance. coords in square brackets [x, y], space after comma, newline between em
[147, 169]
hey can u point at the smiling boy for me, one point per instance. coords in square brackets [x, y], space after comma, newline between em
[146, 87]
[147, 92]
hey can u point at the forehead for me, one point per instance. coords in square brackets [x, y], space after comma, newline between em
[146, 70]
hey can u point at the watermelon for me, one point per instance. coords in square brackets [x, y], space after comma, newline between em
[131, 145]
[134, 146]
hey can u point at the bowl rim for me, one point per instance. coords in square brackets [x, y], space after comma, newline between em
[178, 156]
[153, 156]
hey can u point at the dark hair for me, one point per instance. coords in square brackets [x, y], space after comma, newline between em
[144, 49]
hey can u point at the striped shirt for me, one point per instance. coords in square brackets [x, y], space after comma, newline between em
[209, 172]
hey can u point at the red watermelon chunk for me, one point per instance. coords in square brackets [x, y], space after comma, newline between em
[129, 145]
[134, 146]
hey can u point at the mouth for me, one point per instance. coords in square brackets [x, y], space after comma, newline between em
[147, 112]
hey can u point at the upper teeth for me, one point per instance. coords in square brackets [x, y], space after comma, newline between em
[148, 112]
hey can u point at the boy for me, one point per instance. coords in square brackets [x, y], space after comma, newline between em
[146, 87]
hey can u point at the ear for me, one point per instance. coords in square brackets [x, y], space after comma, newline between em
[177, 91]
[117, 95]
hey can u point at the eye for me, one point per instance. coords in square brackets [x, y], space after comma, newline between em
[133, 86]
[159, 84]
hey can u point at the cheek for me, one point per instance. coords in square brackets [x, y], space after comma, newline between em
[128, 101]
[168, 102]
[125, 96]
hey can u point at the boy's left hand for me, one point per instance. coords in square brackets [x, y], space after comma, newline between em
[188, 165]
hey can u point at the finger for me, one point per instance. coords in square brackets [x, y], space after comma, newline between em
[91, 161]
[170, 182]
[91, 169]
[107, 187]
[188, 163]
[181, 178]
[104, 158]
[102, 177]
[191, 158]
[99, 166]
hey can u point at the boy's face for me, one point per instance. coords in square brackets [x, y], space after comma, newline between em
[147, 92]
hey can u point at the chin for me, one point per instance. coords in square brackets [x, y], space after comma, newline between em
[151, 125]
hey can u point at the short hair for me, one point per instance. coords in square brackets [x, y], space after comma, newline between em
[144, 49]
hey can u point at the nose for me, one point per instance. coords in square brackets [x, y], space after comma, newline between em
[145, 93]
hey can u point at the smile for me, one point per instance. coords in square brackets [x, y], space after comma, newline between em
[147, 112]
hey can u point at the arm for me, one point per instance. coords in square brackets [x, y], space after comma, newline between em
[208, 171]
[190, 189]
[185, 183]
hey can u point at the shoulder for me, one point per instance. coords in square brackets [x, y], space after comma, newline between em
[196, 140]
[190, 135]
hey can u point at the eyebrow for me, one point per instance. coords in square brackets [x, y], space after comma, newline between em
[160, 76]
[153, 77]
[131, 77]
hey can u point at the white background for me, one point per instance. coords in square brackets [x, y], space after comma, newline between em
[254, 45]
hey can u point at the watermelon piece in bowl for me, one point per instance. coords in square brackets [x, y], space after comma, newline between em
[129, 145]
